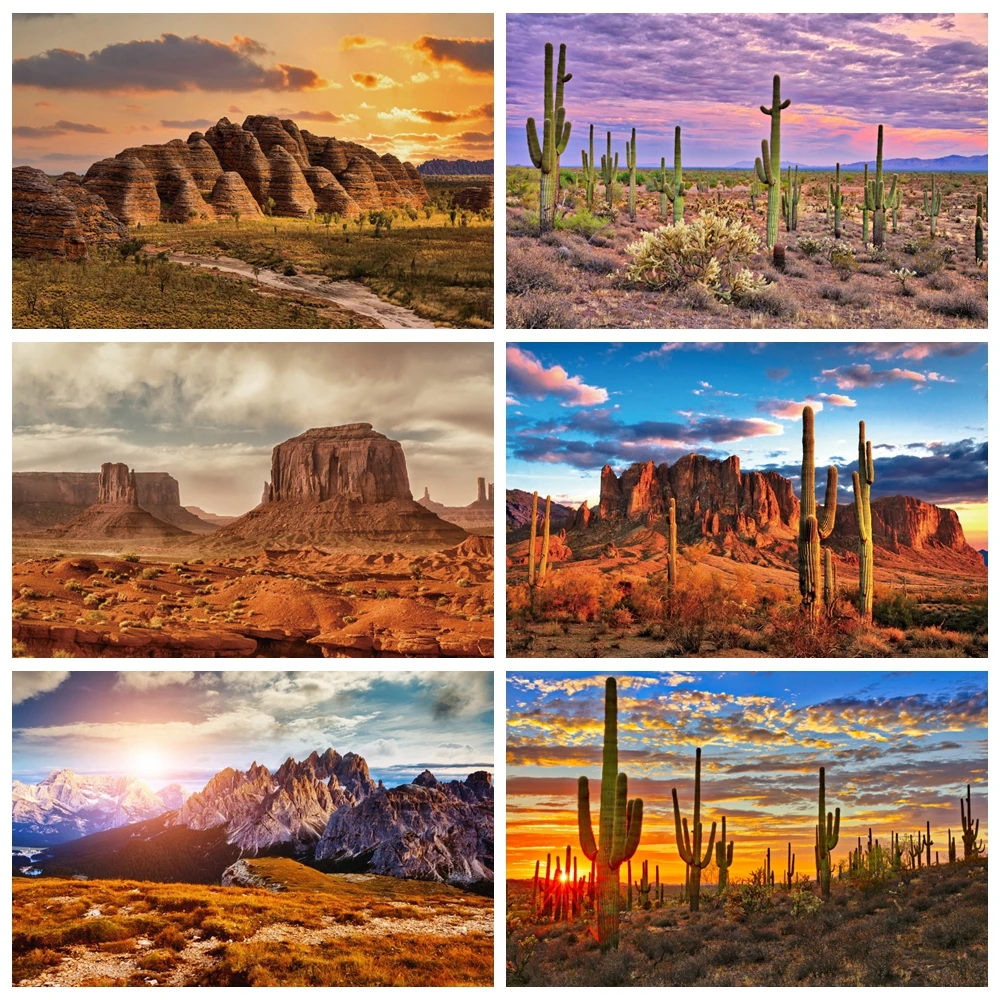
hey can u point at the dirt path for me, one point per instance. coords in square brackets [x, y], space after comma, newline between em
[346, 294]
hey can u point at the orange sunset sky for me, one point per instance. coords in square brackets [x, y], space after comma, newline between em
[898, 748]
[86, 86]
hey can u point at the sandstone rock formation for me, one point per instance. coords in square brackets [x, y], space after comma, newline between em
[259, 809]
[127, 188]
[46, 499]
[67, 805]
[58, 218]
[477, 515]
[519, 510]
[116, 485]
[231, 198]
[440, 831]
[280, 169]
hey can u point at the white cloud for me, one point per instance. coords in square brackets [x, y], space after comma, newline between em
[31, 683]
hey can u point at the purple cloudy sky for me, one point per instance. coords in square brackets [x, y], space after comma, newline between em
[924, 76]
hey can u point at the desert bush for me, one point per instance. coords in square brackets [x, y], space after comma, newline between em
[939, 282]
[620, 618]
[964, 305]
[770, 300]
[151, 573]
[748, 898]
[536, 311]
[894, 609]
[956, 930]
[581, 221]
[809, 245]
[530, 269]
[927, 262]
[566, 596]
[847, 295]
[708, 250]
[843, 263]
[131, 557]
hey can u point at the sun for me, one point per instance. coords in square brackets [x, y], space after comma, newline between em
[147, 763]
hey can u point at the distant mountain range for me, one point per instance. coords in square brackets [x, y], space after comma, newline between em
[906, 164]
[324, 809]
[474, 167]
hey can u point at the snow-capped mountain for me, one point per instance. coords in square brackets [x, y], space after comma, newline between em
[67, 805]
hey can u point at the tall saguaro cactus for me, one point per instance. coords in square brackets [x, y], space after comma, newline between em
[790, 201]
[675, 192]
[864, 207]
[620, 824]
[630, 163]
[589, 172]
[768, 166]
[980, 215]
[532, 539]
[543, 567]
[837, 201]
[689, 841]
[969, 834]
[829, 581]
[811, 530]
[932, 206]
[723, 858]
[863, 480]
[876, 199]
[609, 174]
[827, 835]
[659, 182]
[672, 546]
[555, 135]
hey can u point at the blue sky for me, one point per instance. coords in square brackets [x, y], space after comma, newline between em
[898, 749]
[186, 726]
[571, 408]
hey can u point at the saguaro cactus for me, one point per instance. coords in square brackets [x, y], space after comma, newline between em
[630, 163]
[768, 166]
[895, 206]
[837, 201]
[827, 835]
[790, 201]
[589, 172]
[546, 529]
[755, 190]
[723, 858]
[969, 834]
[658, 182]
[532, 539]
[555, 135]
[980, 209]
[932, 206]
[863, 480]
[952, 851]
[864, 207]
[810, 528]
[609, 173]
[644, 902]
[672, 546]
[829, 581]
[675, 192]
[789, 867]
[928, 843]
[689, 841]
[620, 824]
[876, 199]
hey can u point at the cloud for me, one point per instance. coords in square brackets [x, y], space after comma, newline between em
[665, 350]
[473, 54]
[59, 128]
[483, 111]
[169, 63]
[373, 81]
[31, 683]
[322, 116]
[527, 376]
[865, 377]
[831, 399]
[190, 123]
[913, 352]
[146, 680]
[360, 42]
[777, 374]
[786, 409]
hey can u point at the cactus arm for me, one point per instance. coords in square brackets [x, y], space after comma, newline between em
[829, 503]
[683, 841]
[587, 842]
[617, 855]
[534, 149]
[634, 831]
[708, 850]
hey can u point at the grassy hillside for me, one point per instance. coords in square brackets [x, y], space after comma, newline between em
[924, 928]
[384, 932]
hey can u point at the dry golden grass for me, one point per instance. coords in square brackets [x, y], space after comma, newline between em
[383, 931]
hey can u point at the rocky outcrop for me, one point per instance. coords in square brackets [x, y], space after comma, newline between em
[292, 806]
[188, 206]
[351, 461]
[473, 199]
[66, 806]
[203, 165]
[329, 193]
[127, 187]
[439, 831]
[231, 198]
[288, 188]
[45, 222]
[474, 516]
[519, 510]
[581, 519]
[271, 133]
[116, 485]
[238, 150]
[242, 873]
[168, 165]
[97, 221]
[359, 182]
[333, 156]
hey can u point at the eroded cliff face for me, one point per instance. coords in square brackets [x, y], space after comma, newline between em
[350, 462]
[116, 485]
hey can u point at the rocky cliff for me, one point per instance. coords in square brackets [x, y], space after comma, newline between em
[744, 511]
[340, 487]
[442, 831]
[477, 515]
[519, 510]
[292, 806]
[67, 805]
[47, 499]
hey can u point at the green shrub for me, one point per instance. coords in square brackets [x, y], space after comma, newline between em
[895, 610]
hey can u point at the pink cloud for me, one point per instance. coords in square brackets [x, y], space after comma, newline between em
[527, 376]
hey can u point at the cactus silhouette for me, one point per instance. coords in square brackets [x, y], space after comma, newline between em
[689, 841]
[863, 511]
[620, 824]
[555, 135]
[768, 165]
[811, 530]
[723, 858]
[589, 172]
[876, 200]
[969, 834]
[837, 201]
[827, 835]
[932, 206]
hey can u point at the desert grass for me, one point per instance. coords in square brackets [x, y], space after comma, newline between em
[575, 276]
[320, 930]
[919, 928]
[441, 271]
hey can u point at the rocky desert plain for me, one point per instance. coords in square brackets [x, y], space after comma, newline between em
[337, 560]
[253, 222]
[321, 870]
[717, 194]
